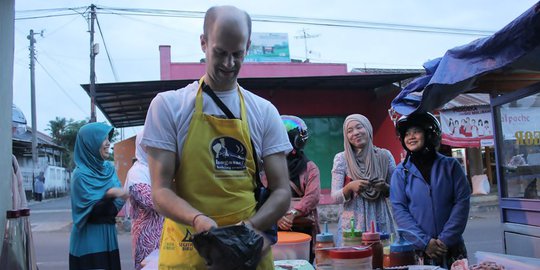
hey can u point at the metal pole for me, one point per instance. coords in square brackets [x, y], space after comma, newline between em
[7, 46]
[33, 103]
[92, 66]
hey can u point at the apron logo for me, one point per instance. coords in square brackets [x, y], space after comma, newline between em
[187, 237]
[186, 244]
[229, 154]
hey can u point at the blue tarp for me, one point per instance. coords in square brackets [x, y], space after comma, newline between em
[514, 47]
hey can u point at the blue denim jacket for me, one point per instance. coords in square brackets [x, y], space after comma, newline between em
[438, 210]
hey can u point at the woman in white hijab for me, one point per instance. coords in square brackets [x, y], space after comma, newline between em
[361, 179]
[146, 222]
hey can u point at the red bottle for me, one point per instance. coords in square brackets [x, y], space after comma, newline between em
[373, 239]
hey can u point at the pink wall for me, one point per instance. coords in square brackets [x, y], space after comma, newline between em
[180, 71]
[295, 101]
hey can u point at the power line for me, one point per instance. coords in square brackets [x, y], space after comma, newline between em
[309, 21]
[48, 9]
[43, 16]
[290, 20]
[61, 88]
[107, 51]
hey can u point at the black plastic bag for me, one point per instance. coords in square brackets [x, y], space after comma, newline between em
[230, 247]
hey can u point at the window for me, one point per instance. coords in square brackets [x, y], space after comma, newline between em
[519, 141]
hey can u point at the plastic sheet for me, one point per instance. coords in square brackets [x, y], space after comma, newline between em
[230, 247]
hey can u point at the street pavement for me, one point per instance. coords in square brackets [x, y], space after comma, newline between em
[51, 225]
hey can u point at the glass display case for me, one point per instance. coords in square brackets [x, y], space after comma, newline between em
[519, 142]
[517, 149]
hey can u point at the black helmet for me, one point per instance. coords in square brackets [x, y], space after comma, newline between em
[425, 121]
[296, 129]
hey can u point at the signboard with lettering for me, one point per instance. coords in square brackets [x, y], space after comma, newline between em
[269, 47]
[520, 123]
[467, 127]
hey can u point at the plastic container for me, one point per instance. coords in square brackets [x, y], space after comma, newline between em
[385, 239]
[352, 237]
[13, 250]
[401, 252]
[386, 242]
[510, 262]
[291, 246]
[28, 242]
[351, 258]
[373, 239]
[323, 242]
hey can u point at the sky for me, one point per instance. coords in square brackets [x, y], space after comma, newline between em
[63, 61]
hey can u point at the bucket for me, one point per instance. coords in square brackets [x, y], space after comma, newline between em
[291, 246]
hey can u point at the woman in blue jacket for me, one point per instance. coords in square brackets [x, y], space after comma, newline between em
[430, 192]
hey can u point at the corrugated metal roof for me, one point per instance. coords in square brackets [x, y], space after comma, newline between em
[125, 104]
[467, 100]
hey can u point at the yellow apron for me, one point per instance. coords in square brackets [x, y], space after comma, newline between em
[216, 176]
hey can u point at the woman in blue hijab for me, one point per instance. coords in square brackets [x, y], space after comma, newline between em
[96, 198]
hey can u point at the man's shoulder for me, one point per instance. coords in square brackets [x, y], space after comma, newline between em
[178, 93]
[254, 98]
[174, 100]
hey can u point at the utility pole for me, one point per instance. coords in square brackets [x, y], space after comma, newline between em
[93, 52]
[305, 35]
[33, 100]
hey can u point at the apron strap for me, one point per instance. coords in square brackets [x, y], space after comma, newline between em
[206, 88]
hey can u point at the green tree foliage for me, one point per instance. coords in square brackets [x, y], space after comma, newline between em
[64, 133]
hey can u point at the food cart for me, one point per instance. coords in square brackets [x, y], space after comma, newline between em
[507, 66]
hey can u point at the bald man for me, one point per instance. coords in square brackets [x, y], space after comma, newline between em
[195, 187]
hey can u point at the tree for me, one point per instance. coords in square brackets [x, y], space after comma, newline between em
[64, 133]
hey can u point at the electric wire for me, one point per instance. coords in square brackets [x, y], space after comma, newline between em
[289, 20]
[61, 88]
[107, 51]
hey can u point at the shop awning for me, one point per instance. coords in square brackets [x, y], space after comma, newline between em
[125, 104]
[513, 51]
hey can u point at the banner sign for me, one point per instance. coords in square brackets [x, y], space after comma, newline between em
[467, 127]
[268, 47]
[520, 124]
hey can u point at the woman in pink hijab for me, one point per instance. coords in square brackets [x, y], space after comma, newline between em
[361, 179]
[146, 222]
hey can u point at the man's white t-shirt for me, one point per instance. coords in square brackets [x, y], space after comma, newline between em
[170, 113]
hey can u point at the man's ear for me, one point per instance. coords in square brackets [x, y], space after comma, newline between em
[204, 44]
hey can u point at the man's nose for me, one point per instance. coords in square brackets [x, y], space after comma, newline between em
[229, 61]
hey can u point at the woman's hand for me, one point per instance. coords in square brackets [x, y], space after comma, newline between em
[381, 186]
[117, 193]
[435, 248]
[355, 187]
[285, 223]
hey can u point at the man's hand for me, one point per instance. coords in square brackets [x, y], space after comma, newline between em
[266, 244]
[435, 248]
[203, 223]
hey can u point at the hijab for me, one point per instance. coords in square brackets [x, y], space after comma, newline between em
[139, 172]
[297, 164]
[371, 163]
[93, 175]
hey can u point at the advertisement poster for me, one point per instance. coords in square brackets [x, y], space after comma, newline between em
[467, 127]
[519, 122]
[268, 47]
